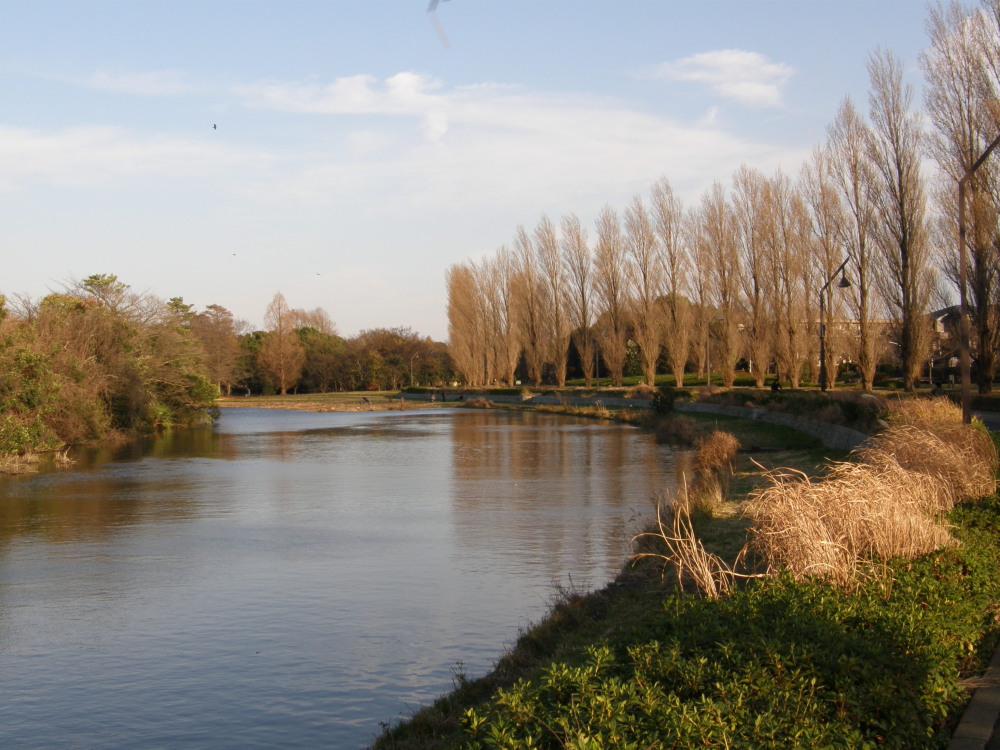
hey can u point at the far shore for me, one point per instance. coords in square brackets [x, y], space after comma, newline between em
[326, 402]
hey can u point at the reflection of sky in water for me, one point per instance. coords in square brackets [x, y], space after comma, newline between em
[292, 579]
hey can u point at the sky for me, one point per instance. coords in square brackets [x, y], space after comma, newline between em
[346, 154]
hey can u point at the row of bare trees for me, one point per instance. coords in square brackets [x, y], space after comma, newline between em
[738, 275]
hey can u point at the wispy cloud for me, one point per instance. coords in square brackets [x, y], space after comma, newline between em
[747, 77]
[145, 83]
[93, 156]
[407, 143]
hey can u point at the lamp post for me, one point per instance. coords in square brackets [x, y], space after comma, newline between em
[842, 284]
[964, 363]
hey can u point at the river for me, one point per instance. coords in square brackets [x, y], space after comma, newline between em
[289, 579]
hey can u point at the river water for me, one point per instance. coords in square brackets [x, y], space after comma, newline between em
[290, 579]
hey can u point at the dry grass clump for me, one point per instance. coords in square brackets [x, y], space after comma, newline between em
[927, 413]
[962, 457]
[886, 503]
[845, 522]
[714, 461]
[927, 435]
[477, 403]
[683, 551]
[19, 463]
[716, 453]
[641, 391]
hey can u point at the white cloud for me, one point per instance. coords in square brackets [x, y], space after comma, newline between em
[93, 156]
[747, 77]
[148, 83]
[424, 146]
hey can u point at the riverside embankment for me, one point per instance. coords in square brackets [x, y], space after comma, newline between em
[890, 660]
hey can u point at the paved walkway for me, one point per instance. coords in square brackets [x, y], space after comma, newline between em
[979, 728]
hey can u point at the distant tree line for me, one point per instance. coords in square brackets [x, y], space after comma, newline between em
[300, 351]
[99, 358]
[737, 277]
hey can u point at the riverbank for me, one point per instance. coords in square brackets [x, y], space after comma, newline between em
[349, 401]
[890, 661]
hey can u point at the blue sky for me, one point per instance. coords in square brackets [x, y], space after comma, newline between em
[356, 156]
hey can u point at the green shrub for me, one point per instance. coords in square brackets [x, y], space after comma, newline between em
[663, 401]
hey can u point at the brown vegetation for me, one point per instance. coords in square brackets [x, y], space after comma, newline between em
[844, 524]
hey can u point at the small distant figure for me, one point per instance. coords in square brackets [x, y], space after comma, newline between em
[214, 126]
[776, 385]
[365, 399]
[433, 398]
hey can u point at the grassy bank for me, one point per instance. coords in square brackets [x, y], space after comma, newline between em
[785, 660]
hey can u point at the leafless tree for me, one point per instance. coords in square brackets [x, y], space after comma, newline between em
[531, 304]
[317, 319]
[668, 219]
[750, 204]
[787, 254]
[902, 231]
[502, 335]
[281, 354]
[579, 268]
[828, 224]
[849, 137]
[466, 324]
[611, 287]
[717, 236]
[646, 280]
[555, 284]
[961, 101]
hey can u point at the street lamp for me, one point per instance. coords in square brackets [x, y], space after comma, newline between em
[962, 273]
[842, 284]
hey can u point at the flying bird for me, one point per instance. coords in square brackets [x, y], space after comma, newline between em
[432, 17]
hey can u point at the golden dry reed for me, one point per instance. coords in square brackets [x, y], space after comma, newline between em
[683, 551]
[887, 502]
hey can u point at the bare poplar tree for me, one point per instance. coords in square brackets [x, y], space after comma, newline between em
[961, 100]
[717, 235]
[902, 231]
[787, 254]
[497, 282]
[611, 287]
[668, 217]
[854, 173]
[466, 328]
[531, 300]
[828, 226]
[281, 354]
[645, 271]
[703, 311]
[580, 304]
[555, 282]
[751, 211]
